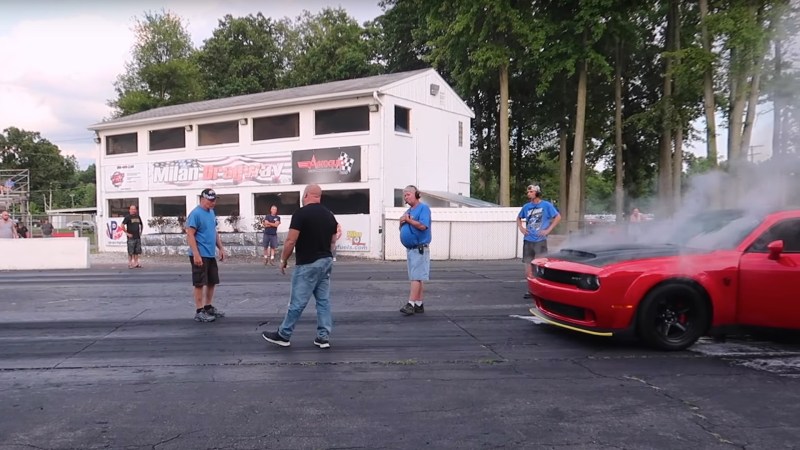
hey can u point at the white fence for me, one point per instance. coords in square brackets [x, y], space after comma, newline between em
[461, 233]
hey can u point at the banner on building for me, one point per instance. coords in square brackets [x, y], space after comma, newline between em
[225, 171]
[113, 233]
[125, 177]
[355, 233]
[326, 165]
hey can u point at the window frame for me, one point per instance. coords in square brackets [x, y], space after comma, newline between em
[407, 111]
[201, 126]
[294, 115]
[179, 130]
[153, 205]
[761, 242]
[126, 202]
[332, 111]
[110, 139]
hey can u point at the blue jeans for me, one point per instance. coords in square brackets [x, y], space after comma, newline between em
[308, 279]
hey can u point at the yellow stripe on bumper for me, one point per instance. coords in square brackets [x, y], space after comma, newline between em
[538, 314]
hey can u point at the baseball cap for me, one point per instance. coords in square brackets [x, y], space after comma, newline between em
[209, 194]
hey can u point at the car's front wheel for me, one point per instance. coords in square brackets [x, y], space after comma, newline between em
[673, 317]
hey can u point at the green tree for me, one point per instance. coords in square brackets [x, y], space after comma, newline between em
[243, 56]
[329, 46]
[20, 149]
[162, 71]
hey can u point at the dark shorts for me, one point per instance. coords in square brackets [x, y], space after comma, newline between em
[205, 275]
[532, 250]
[270, 241]
[134, 247]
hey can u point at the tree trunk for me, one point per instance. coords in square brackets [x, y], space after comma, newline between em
[575, 188]
[665, 153]
[563, 171]
[777, 101]
[505, 170]
[677, 169]
[708, 90]
[619, 195]
[752, 104]
[677, 153]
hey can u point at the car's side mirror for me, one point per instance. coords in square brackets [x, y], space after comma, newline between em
[775, 249]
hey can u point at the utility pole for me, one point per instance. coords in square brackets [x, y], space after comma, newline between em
[72, 197]
[751, 153]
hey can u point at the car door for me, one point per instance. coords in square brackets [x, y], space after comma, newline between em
[768, 288]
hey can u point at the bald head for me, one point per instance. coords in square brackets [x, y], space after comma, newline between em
[312, 194]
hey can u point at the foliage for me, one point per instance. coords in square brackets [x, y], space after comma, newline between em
[162, 71]
[161, 223]
[243, 56]
[258, 223]
[233, 220]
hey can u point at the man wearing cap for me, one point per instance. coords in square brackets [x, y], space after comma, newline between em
[535, 221]
[202, 236]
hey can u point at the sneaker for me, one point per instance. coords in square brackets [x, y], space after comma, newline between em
[419, 309]
[407, 309]
[322, 342]
[213, 311]
[334, 259]
[203, 316]
[275, 338]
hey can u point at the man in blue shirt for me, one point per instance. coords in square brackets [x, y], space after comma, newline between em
[202, 236]
[415, 235]
[535, 221]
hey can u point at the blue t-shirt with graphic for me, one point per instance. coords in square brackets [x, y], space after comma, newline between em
[538, 216]
[411, 237]
[205, 224]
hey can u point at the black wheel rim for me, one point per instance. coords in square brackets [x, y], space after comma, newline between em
[675, 318]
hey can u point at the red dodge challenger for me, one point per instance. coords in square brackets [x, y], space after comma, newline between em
[719, 269]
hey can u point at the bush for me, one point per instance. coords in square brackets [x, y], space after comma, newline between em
[162, 223]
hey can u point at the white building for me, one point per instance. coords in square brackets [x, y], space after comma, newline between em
[362, 140]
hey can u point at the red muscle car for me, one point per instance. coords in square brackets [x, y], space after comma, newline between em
[719, 269]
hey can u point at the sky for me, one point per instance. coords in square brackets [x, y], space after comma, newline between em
[60, 60]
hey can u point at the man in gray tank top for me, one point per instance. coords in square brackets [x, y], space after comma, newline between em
[7, 228]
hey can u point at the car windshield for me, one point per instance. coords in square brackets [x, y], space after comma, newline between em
[715, 230]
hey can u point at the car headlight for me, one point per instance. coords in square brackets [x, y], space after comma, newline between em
[589, 282]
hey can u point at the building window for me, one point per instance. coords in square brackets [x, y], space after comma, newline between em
[226, 205]
[460, 133]
[342, 120]
[122, 143]
[287, 202]
[276, 127]
[118, 207]
[355, 201]
[169, 206]
[167, 139]
[402, 119]
[398, 198]
[218, 133]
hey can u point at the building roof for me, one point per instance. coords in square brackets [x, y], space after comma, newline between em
[292, 95]
[459, 199]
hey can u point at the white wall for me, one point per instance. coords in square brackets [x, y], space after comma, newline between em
[44, 254]
[462, 233]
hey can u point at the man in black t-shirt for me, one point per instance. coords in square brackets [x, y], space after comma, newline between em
[132, 224]
[313, 231]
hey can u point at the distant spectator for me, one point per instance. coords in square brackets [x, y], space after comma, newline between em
[22, 231]
[47, 228]
[636, 216]
[8, 230]
[9, 185]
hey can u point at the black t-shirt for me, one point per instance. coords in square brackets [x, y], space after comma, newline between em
[133, 223]
[317, 226]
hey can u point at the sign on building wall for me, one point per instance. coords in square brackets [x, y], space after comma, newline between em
[355, 233]
[114, 235]
[327, 165]
[125, 177]
[223, 171]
